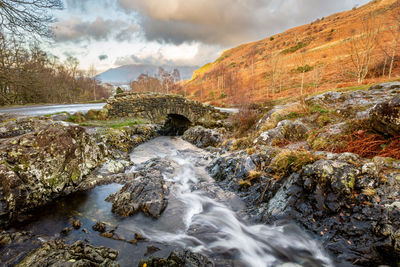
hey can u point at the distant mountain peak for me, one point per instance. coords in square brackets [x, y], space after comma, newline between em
[127, 73]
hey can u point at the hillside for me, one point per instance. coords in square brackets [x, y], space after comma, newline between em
[125, 74]
[316, 56]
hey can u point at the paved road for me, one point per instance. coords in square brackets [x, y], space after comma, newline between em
[228, 110]
[51, 109]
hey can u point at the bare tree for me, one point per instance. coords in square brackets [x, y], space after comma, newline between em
[396, 34]
[302, 68]
[92, 74]
[18, 17]
[361, 46]
[276, 72]
[29, 75]
[318, 75]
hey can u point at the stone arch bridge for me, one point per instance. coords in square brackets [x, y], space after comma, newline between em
[159, 108]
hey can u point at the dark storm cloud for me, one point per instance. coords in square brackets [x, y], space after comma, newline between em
[226, 22]
[87, 5]
[75, 30]
[103, 57]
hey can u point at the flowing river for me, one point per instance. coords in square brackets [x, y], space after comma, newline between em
[200, 216]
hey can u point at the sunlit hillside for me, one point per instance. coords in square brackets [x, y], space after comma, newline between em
[345, 49]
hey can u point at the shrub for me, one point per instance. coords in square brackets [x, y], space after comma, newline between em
[119, 90]
[244, 120]
[305, 68]
[296, 47]
[323, 120]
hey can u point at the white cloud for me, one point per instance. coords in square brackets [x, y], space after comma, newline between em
[226, 22]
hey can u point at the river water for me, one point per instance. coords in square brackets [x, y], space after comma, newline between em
[200, 216]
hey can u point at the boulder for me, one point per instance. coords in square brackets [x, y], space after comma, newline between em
[385, 86]
[179, 258]
[270, 137]
[57, 253]
[64, 116]
[385, 117]
[293, 130]
[287, 129]
[41, 165]
[126, 138]
[15, 126]
[148, 193]
[202, 137]
[338, 175]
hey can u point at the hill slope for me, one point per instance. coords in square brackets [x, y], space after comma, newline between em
[315, 56]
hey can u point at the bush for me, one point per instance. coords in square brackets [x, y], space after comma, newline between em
[119, 90]
[294, 48]
[305, 68]
[244, 120]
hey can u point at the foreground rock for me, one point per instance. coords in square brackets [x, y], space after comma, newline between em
[351, 203]
[385, 117]
[202, 137]
[285, 130]
[57, 253]
[125, 138]
[179, 258]
[42, 164]
[12, 126]
[148, 193]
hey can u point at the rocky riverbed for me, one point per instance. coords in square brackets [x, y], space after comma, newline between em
[293, 190]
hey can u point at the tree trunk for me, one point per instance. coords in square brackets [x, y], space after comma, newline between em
[394, 51]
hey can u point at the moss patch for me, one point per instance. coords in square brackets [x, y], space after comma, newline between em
[291, 161]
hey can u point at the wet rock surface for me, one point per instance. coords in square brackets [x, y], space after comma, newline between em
[147, 193]
[57, 253]
[203, 137]
[14, 246]
[179, 258]
[350, 203]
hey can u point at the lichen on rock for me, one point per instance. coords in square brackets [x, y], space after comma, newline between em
[45, 163]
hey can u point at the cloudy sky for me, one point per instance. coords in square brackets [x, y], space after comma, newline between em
[111, 33]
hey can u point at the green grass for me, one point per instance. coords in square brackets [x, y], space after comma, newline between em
[317, 108]
[57, 113]
[289, 116]
[115, 123]
[354, 88]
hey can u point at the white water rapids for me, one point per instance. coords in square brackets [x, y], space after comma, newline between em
[203, 218]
